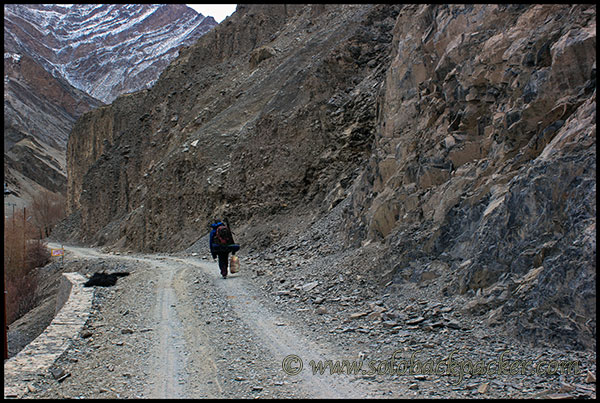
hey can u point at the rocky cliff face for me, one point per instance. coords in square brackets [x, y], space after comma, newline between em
[458, 139]
[227, 130]
[39, 112]
[484, 161]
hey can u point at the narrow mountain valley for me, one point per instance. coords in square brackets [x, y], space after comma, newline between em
[458, 139]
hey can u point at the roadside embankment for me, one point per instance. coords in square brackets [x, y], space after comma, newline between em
[73, 305]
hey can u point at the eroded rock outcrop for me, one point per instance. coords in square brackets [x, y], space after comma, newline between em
[485, 157]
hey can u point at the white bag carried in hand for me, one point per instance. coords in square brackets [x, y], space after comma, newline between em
[234, 264]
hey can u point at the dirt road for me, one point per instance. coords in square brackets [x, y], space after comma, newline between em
[174, 328]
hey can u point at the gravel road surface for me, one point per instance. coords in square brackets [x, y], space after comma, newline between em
[173, 328]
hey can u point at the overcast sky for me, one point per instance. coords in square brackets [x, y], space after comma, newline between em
[218, 11]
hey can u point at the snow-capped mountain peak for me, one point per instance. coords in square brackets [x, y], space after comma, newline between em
[103, 49]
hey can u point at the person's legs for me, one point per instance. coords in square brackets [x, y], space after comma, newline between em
[223, 263]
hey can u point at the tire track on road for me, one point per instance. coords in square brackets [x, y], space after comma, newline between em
[169, 362]
[278, 335]
[176, 335]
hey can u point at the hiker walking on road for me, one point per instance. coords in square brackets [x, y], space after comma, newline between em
[222, 243]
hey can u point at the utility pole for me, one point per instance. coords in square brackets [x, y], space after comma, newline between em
[24, 240]
[4, 287]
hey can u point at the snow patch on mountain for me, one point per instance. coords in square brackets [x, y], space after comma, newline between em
[16, 57]
[102, 49]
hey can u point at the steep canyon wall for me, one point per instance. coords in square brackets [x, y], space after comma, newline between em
[462, 139]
